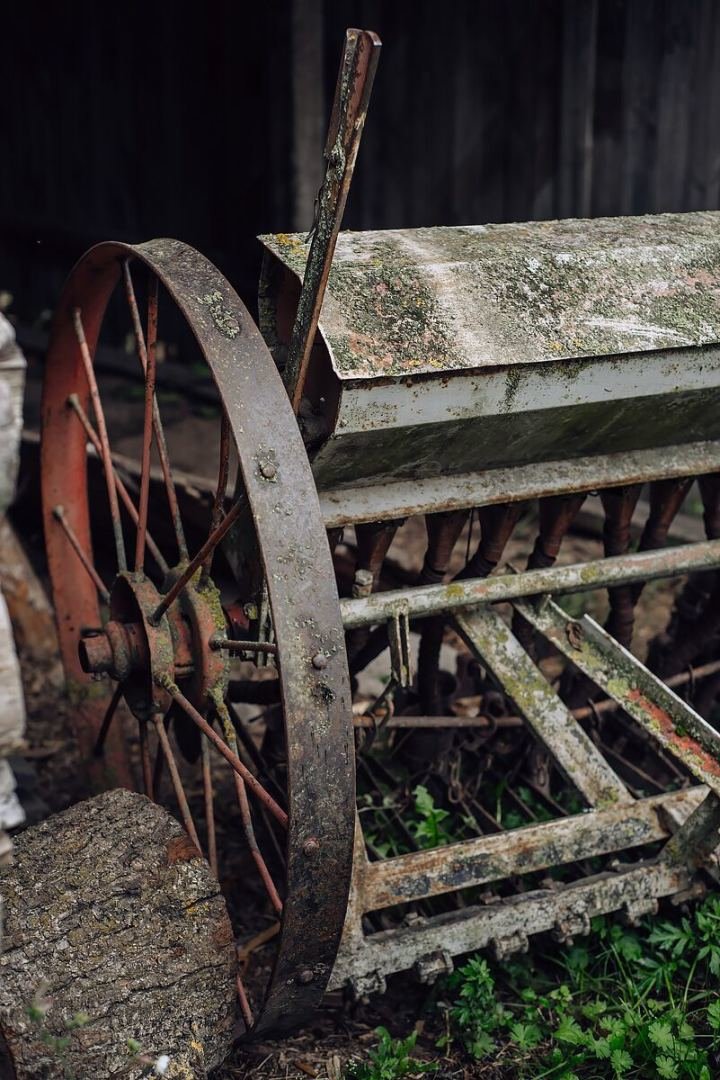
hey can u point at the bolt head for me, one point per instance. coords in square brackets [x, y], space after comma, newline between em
[268, 470]
[311, 846]
[320, 661]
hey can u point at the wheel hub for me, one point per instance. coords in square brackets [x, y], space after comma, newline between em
[140, 651]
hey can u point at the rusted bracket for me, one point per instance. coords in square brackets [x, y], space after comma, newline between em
[352, 94]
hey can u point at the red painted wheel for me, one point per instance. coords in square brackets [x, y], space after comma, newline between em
[148, 647]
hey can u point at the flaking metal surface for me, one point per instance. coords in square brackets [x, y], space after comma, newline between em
[491, 639]
[513, 919]
[487, 859]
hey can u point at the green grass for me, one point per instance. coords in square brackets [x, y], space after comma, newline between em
[623, 1003]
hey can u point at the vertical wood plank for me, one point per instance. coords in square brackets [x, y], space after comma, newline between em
[308, 104]
[579, 32]
[702, 181]
[673, 122]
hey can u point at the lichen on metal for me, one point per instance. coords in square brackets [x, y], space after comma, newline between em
[411, 301]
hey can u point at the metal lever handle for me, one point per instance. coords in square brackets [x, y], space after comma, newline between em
[352, 95]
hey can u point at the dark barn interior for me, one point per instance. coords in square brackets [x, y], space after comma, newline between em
[210, 129]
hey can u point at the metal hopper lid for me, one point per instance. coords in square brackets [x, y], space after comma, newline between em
[411, 301]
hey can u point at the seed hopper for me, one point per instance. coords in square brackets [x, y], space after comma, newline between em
[456, 375]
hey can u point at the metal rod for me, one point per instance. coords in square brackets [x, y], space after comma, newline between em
[232, 645]
[150, 373]
[257, 788]
[145, 760]
[209, 797]
[59, 515]
[74, 403]
[223, 471]
[246, 815]
[489, 722]
[176, 781]
[352, 95]
[212, 541]
[159, 763]
[244, 1003]
[107, 720]
[157, 422]
[428, 600]
[103, 436]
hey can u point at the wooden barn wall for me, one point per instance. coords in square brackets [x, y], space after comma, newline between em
[210, 127]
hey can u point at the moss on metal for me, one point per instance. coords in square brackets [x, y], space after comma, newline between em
[422, 300]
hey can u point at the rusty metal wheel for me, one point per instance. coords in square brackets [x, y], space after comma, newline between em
[148, 648]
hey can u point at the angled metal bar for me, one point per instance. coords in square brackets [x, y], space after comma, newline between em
[424, 601]
[648, 700]
[697, 838]
[492, 640]
[422, 874]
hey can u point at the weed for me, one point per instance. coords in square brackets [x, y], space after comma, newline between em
[427, 824]
[640, 1004]
[391, 1060]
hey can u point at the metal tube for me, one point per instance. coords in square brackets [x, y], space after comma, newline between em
[429, 600]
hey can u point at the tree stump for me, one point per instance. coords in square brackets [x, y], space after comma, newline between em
[118, 949]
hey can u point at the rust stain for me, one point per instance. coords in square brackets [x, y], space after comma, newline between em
[687, 748]
[182, 849]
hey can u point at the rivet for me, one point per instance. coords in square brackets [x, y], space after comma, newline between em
[306, 976]
[319, 661]
[268, 470]
[311, 846]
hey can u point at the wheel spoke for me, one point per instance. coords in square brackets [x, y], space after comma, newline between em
[210, 544]
[223, 472]
[59, 515]
[257, 789]
[150, 373]
[244, 1003]
[246, 814]
[74, 403]
[209, 797]
[233, 645]
[157, 422]
[107, 720]
[159, 764]
[103, 436]
[145, 759]
[256, 758]
[176, 781]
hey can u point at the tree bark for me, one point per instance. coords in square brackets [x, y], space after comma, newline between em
[117, 950]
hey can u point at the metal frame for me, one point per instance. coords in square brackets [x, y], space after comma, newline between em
[688, 821]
